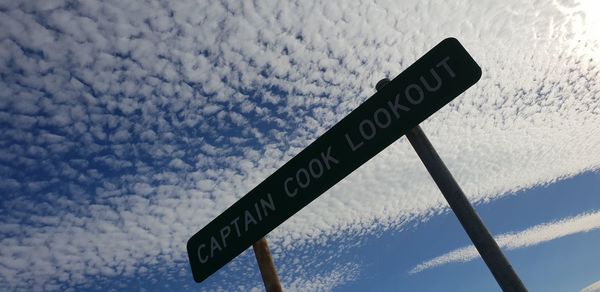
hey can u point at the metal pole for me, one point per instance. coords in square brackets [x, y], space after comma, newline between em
[266, 266]
[485, 244]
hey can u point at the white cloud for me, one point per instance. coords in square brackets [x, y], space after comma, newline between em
[342, 274]
[181, 108]
[531, 236]
[324, 282]
[594, 287]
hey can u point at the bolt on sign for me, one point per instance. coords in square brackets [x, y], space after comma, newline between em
[431, 82]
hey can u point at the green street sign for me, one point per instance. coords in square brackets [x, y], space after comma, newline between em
[431, 82]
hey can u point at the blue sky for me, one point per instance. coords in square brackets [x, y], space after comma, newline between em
[566, 264]
[125, 127]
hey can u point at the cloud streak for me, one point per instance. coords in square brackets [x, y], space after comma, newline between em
[594, 287]
[514, 240]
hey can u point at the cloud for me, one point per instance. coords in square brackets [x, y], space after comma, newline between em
[594, 287]
[529, 237]
[339, 275]
[179, 109]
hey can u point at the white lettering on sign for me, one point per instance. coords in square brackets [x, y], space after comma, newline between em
[315, 169]
[413, 95]
[216, 244]
[382, 117]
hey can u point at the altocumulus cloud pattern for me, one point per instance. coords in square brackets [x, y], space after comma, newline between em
[127, 126]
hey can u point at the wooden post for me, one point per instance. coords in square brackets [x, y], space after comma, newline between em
[483, 241]
[266, 266]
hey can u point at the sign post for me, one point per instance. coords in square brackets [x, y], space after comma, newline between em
[266, 266]
[485, 244]
[427, 85]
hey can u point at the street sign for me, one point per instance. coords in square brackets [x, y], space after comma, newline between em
[431, 82]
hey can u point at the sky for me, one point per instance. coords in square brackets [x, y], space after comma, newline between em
[126, 127]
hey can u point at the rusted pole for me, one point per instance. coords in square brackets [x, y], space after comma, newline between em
[483, 241]
[266, 266]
